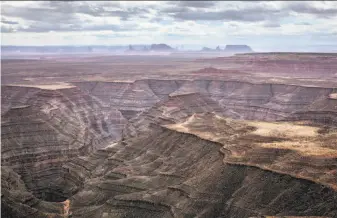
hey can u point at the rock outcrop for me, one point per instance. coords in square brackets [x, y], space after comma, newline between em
[206, 49]
[301, 151]
[238, 48]
[104, 149]
[163, 174]
[130, 49]
[241, 100]
[160, 47]
[44, 129]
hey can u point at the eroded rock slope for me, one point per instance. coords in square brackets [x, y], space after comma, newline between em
[103, 149]
[241, 100]
[43, 129]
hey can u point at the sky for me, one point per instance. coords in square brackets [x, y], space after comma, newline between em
[263, 25]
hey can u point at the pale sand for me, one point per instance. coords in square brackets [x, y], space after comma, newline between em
[306, 148]
[333, 95]
[303, 139]
[55, 86]
[283, 129]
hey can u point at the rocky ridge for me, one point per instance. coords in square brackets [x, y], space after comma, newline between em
[241, 100]
[43, 129]
[102, 149]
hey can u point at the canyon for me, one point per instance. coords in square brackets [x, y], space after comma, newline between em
[249, 135]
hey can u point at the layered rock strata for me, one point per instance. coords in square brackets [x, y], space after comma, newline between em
[299, 150]
[44, 129]
[173, 174]
[99, 150]
[241, 100]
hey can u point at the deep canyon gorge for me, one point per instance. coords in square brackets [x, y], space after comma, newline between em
[233, 137]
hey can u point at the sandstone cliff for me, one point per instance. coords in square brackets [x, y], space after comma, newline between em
[105, 149]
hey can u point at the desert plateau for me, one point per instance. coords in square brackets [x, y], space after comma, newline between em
[184, 138]
[169, 109]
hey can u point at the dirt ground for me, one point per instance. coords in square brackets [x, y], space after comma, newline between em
[308, 70]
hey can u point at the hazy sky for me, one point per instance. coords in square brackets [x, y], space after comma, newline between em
[263, 25]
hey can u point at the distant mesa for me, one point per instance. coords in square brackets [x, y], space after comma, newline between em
[160, 47]
[144, 48]
[137, 48]
[238, 48]
[229, 49]
[131, 48]
[206, 49]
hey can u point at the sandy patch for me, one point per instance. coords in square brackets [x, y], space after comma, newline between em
[306, 148]
[283, 129]
[55, 86]
[262, 144]
[333, 95]
[112, 145]
[99, 78]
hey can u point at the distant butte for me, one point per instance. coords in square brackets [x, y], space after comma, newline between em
[230, 49]
[160, 47]
[238, 48]
[206, 49]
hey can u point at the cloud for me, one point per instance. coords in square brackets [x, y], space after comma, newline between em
[271, 24]
[38, 28]
[249, 14]
[6, 29]
[205, 22]
[87, 16]
[247, 11]
[304, 23]
[226, 11]
[321, 9]
[10, 22]
[194, 4]
[66, 16]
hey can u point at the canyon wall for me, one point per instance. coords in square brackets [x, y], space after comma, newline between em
[99, 150]
[172, 174]
[240, 100]
[43, 129]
